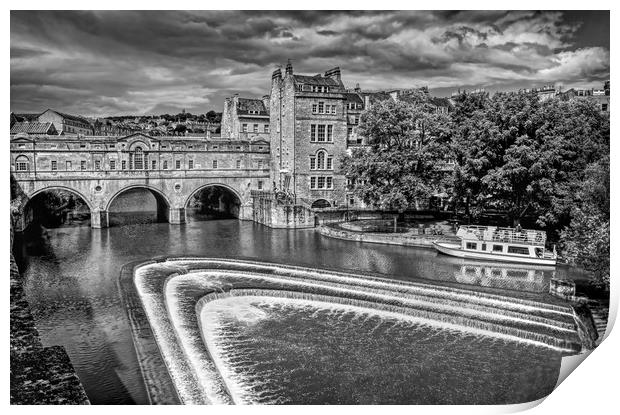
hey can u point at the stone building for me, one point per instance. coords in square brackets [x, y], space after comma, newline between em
[246, 119]
[308, 117]
[66, 123]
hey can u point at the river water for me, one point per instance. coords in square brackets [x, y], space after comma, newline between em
[72, 284]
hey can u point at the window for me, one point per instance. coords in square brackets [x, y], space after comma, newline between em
[471, 245]
[67, 165]
[320, 160]
[330, 133]
[312, 163]
[214, 164]
[519, 250]
[351, 202]
[82, 145]
[320, 136]
[177, 164]
[260, 185]
[314, 108]
[153, 164]
[190, 164]
[138, 158]
[329, 165]
[165, 164]
[321, 182]
[54, 165]
[97, 165]
[255, 128]
[112, 146]
[321, 108]
[22, 163]
[260, 148]
[320, 88]
[245, 128]
[238, 164]
[83, 165]
[484, 247]
[349, 132]
[266, 128]
[260, 164]
[498, 248]
[112, 164]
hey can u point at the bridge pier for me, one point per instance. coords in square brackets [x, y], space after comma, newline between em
[176, 216]
[99, 219]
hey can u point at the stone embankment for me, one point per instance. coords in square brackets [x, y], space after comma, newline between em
[410, 238]
[39, 375]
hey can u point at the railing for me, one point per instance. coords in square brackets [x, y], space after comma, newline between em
[509, 235]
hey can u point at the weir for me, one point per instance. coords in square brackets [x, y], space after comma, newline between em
[176, 292]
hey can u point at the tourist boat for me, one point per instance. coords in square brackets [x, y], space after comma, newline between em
[492, 243]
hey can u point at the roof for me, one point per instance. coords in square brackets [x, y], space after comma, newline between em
[316, 80]
[26, 117]
[353, 97]
[76, 118]
[33, 128]
[244, 105]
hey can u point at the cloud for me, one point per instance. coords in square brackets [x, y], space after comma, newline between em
[113, 62]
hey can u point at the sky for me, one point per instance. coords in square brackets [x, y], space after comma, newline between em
[101, 63]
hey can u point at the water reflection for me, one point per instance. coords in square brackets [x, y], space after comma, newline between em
[72, 274]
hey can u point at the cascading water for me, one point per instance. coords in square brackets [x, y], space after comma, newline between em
[219, 326]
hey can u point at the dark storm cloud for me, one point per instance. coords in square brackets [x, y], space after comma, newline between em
[97, 63]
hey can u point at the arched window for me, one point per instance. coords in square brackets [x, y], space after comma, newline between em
[320, 160]
[22, 163]
[138, 159]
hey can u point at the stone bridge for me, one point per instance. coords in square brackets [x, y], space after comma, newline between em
[100, 169]
[172, 190]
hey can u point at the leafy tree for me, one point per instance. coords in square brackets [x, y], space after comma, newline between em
[585, 242]
[407, 151]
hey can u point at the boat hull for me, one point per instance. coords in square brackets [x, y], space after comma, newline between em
[457, 251]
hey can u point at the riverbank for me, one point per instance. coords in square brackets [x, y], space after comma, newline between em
[409, 238]
[39, 375]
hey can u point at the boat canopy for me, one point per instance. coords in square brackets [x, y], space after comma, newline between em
[497, 234]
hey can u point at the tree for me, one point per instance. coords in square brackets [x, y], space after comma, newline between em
[180, 129]
[585, 242]
[407, 151]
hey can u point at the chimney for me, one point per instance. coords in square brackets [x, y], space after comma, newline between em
[334, 73]
[289, 68]
[277, 74]
[265, 100]
[357, 87]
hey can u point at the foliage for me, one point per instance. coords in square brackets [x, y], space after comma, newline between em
[585, 241]
[408, 142]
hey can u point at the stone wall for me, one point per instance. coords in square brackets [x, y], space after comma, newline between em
[267, 211]
[39, 375]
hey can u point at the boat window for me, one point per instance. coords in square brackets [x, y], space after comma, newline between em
[539, 252]
[484, 247]
[521, 250]
[471, 245]
[498, 248]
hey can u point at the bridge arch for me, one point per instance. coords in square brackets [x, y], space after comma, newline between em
[25, 217]
[157, 193]
[164, 206]
[56, 187]
[233, 210]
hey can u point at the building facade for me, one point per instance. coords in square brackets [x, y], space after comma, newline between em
[246, 119]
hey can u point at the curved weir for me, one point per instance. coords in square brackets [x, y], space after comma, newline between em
[215, 323]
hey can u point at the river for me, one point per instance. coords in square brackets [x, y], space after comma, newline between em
[71, 276]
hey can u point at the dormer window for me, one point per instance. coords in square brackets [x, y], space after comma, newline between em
[320, 88]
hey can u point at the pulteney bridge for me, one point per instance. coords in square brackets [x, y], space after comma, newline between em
[173, 169]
